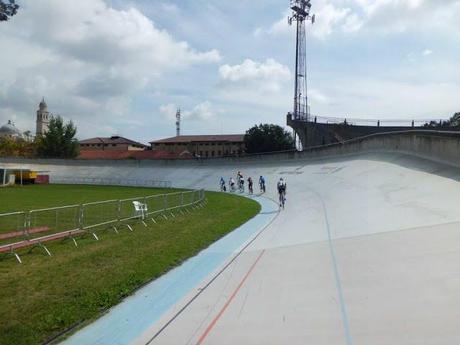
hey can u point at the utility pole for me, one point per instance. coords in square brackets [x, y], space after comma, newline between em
[178, 123]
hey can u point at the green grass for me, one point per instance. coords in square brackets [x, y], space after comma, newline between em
[36, 197]
[24, 198]
[46, 295]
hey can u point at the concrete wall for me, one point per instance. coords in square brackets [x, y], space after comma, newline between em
[314, 134]
[442, 147]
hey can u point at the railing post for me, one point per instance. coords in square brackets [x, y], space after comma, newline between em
[81, 217]
[182, 199]
[165, 202]
[118, 212]
[56, 219]
[26, 224]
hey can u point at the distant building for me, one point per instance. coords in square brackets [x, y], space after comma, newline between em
[43, 119]
[114, 143]
[9, 130]
[202, 145]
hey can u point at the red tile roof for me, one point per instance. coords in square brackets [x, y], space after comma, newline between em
[113, 154]
[112, 140]
[201, 138]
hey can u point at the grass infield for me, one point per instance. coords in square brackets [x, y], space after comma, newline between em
[46, 295]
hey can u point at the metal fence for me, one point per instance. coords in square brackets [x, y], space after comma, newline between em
[34, 228]
[111, 182]
[376, 122]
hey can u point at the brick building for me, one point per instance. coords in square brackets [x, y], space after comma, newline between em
[114, 143]
[202, 145]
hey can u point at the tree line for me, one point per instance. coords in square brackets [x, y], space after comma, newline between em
[453, 122]
[58, 142]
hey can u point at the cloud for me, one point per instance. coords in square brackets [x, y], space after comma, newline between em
[202, 111]
[257, 84]
[281, 26]
[93, 32]
[382, 16]
[395, 16]
[427, 52]
[87, 58]
[329, 17]
[268, 76]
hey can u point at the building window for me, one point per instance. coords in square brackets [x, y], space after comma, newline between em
[219, 153]
[212, 153]
[201, 153]
[207, 153]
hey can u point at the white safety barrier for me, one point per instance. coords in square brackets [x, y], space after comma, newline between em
[111, 182]
[34, 228]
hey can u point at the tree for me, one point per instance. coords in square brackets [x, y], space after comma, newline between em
[454, 121]
[7, 9]
[27, 135]
[59, 141]
[16, 147]
[268, 138]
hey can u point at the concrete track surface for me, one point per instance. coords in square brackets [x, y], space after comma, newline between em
[366, 252]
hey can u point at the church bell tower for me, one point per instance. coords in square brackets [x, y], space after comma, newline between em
[43, 117]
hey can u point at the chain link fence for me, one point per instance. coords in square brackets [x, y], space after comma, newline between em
[35, 227]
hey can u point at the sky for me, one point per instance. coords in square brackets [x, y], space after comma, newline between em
[123, 67]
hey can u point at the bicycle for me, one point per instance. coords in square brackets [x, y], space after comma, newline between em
[282, 199]
[262, 187]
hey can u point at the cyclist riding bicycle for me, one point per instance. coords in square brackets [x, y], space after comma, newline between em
[231, 184]
[250, 185]
[262, 184]
[222, 185]
[282, 191]
[241, 184]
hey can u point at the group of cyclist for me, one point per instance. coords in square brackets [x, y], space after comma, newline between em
[239, 182]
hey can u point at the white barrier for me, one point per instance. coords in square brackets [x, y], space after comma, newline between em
[111, 182]
[35, 227]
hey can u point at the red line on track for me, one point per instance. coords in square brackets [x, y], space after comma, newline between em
[221, 312]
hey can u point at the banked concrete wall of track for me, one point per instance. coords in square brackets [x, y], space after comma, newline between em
[442, 147]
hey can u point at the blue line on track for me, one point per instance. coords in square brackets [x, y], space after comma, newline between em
[127, 321]
[343, 308]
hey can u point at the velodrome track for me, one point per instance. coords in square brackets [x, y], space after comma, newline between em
[367, 251]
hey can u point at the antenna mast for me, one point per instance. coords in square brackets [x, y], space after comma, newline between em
[178, 122]
[301, 14]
